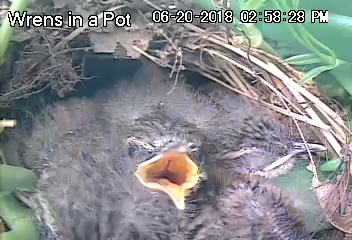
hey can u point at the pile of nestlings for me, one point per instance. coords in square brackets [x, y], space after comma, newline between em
[148, 160]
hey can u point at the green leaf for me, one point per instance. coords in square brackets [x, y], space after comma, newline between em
[313, 73]
[251, 4]
[330, 166]
[343, 74]
[331, 90]
[295, 4]
[18, 218]
[253, 34]
[304, 37]
[335, 35]
[6, 31]
[16, 178]
[341, 7]
[298, 184]
[303, 59]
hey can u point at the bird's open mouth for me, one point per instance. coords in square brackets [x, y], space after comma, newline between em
[172, 172]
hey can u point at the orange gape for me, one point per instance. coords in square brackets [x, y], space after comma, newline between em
[172, 172]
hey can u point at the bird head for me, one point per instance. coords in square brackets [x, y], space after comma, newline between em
[271, 160]
[170, 169]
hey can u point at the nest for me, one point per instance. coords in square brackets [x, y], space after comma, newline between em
[214, 51]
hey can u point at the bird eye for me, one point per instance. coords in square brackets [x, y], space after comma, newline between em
[137, 147]
[135, 150]
[193, 147]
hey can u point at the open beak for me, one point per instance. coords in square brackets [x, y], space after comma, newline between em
[172, 172]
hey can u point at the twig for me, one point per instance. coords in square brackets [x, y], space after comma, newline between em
[313, 167]
[154, 59]
[319, 104]
[7, 123]
[251, 72]
[268, 67]
[290, 84]
[275, 108]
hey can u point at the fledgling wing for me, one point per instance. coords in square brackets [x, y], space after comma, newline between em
[88, 180]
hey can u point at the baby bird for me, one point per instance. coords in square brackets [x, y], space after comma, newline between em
[99, 161]
[88, 189]
[246, 209]
[157, 117]
[119, 166]
[257, 141]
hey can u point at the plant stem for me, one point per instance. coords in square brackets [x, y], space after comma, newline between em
[6, 30]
